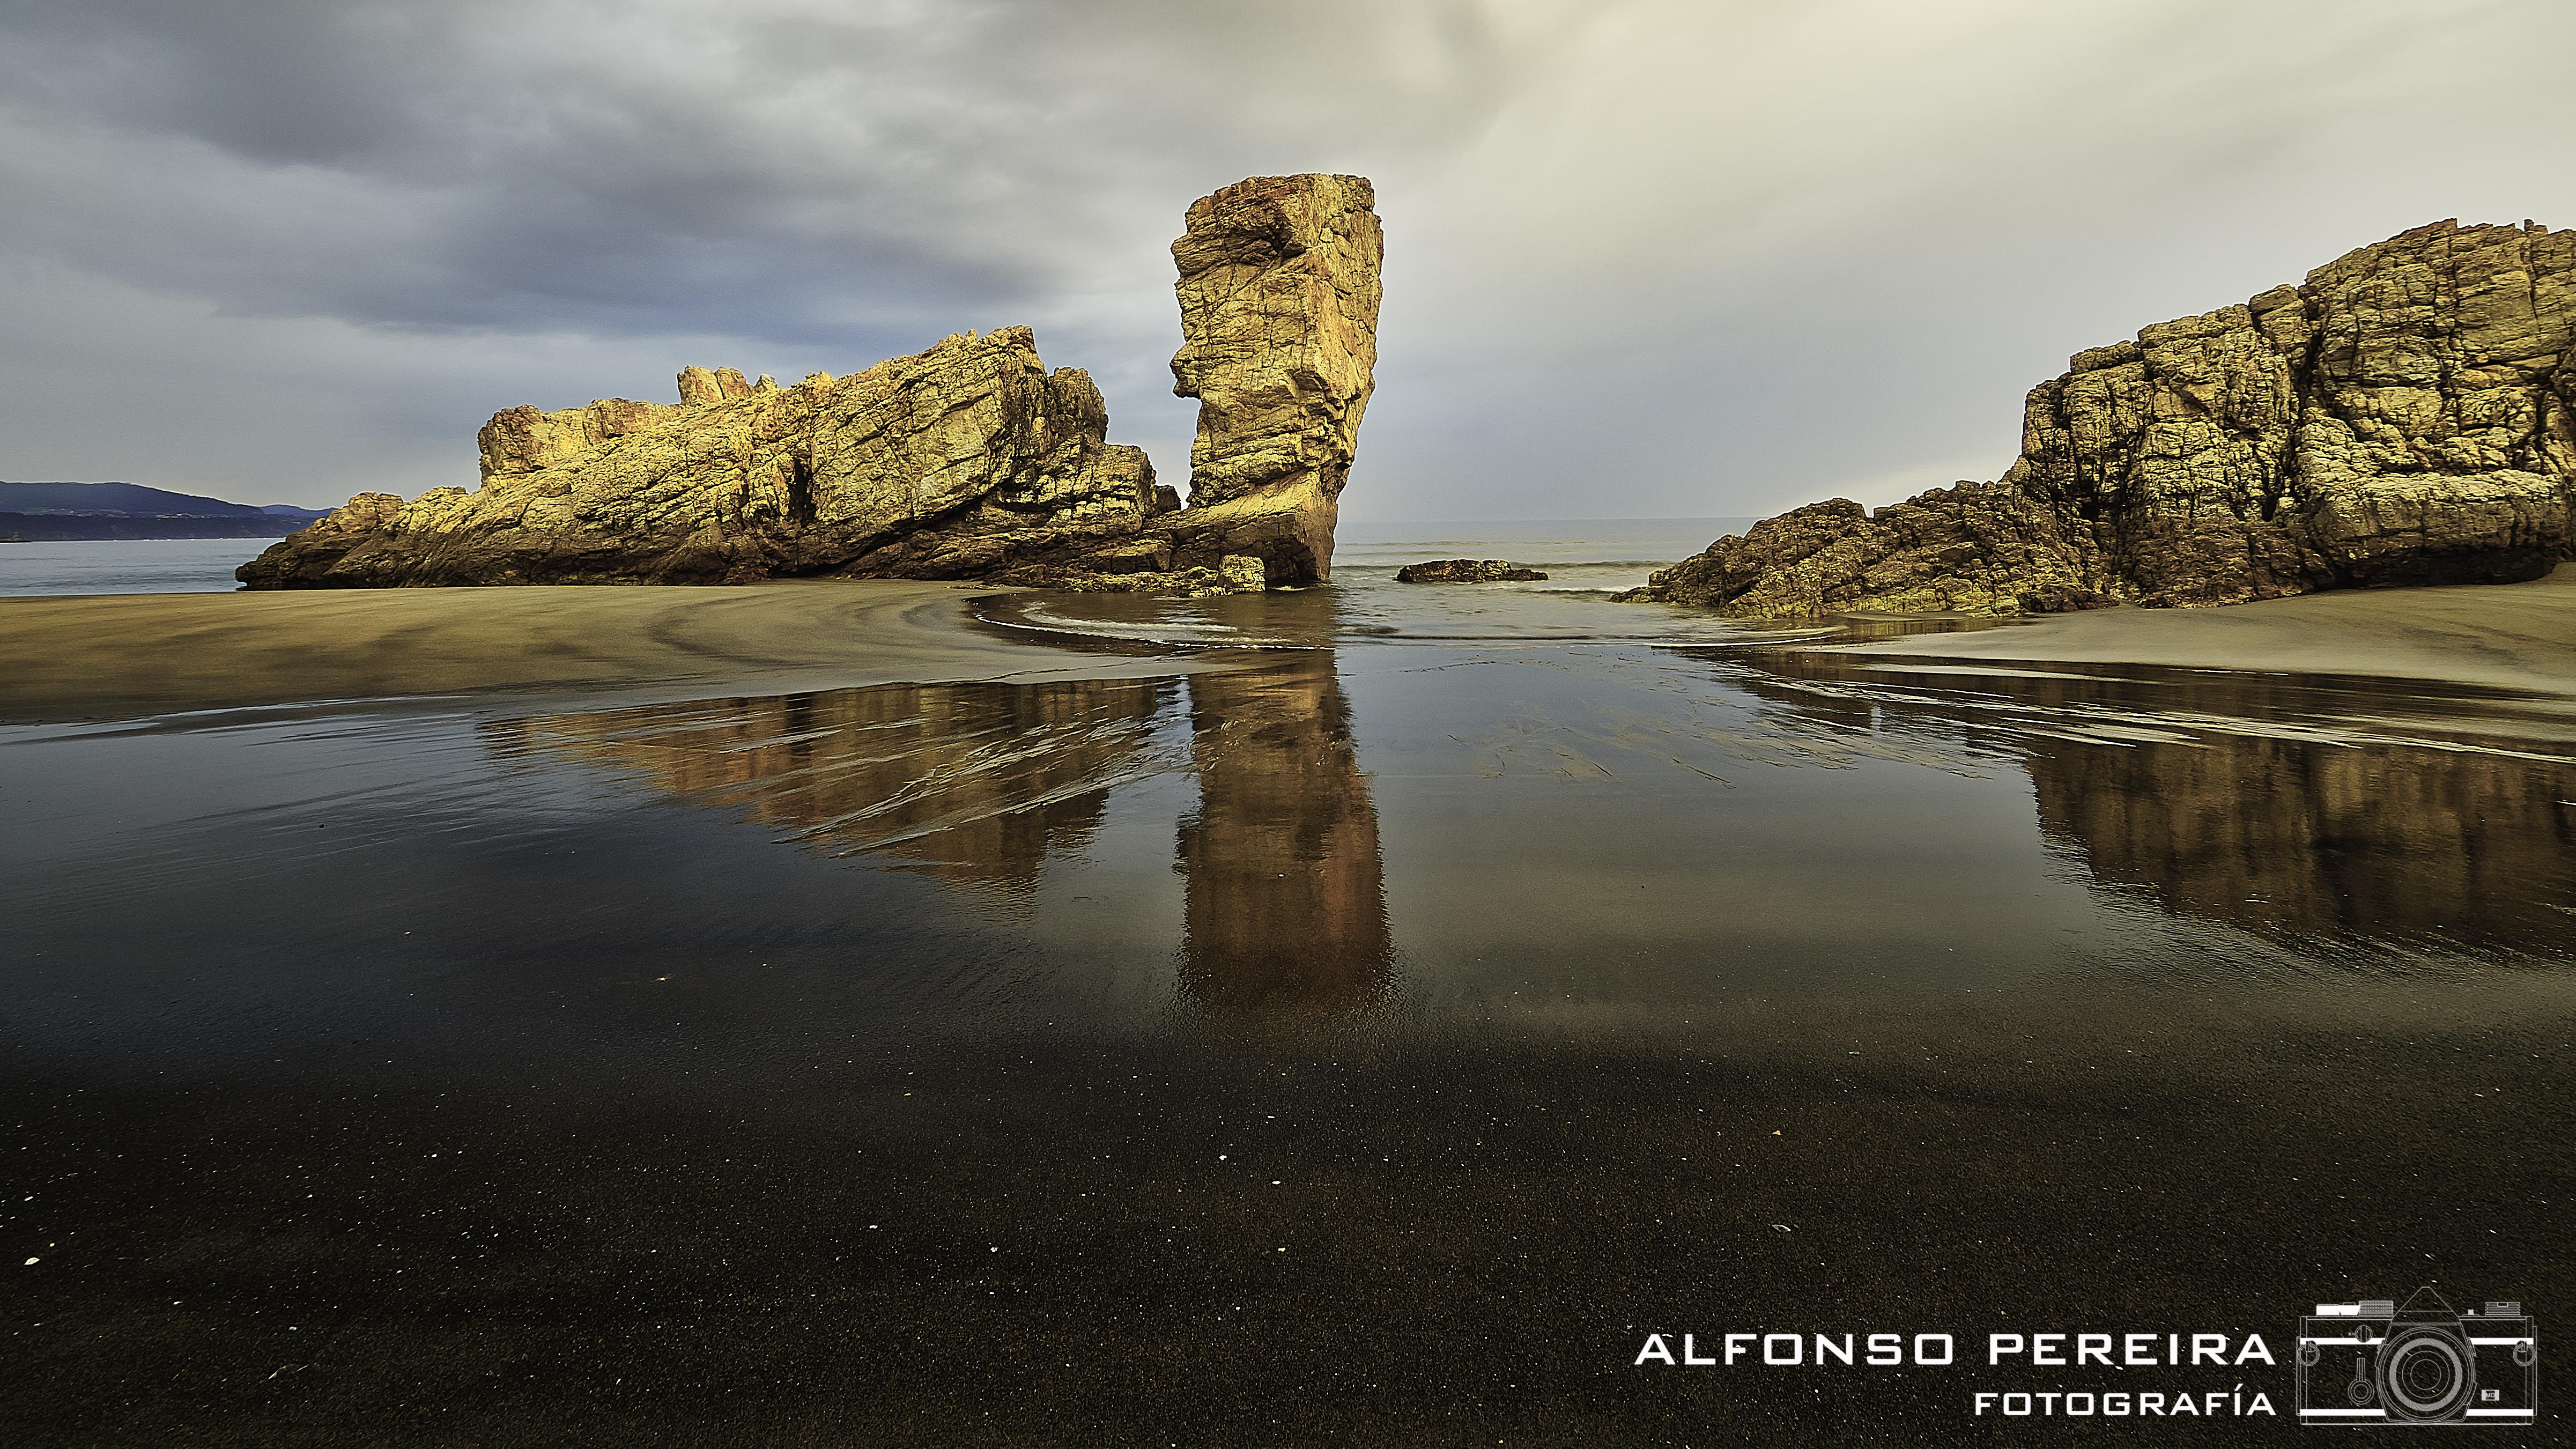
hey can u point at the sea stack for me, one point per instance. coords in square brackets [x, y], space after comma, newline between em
[1279, 297]
[968, 460]
[2407, 415]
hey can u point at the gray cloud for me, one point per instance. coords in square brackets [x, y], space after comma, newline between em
[1650, 258]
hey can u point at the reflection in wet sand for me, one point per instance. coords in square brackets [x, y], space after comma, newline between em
[976, 784]
[2381, 841]
[2266, 803]
[2341, 811]
[972, 784]
[1287, 896]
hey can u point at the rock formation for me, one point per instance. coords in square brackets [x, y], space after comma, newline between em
[2407, 415]
[966, 461]
[1279, 298]
[955, 462]
[1465, 571]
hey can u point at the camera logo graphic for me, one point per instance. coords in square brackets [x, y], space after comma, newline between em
[2377, 1363]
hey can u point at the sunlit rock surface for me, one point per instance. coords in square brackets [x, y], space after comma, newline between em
[1279, 299]
[955, 462]
[2407, 415]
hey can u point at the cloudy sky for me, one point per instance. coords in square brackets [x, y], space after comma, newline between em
[1673, 257]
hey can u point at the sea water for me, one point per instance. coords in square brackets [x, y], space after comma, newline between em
[126, 565]
[1582, 555]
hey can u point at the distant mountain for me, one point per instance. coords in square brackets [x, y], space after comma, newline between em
[52, 511]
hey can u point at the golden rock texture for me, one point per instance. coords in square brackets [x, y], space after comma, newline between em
[2405, 416]
[1279, 298]
[951, 463]
[966, 461]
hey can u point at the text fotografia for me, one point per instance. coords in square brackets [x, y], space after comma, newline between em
[2145, 1404]
[2115, 1351]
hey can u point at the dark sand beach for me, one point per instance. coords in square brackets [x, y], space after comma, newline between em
[897, 1014]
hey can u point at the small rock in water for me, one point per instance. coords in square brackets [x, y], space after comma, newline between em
[1465, 571]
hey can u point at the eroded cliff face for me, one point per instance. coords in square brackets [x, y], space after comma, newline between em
[969, 460]
[954, 462]
[2407, 415]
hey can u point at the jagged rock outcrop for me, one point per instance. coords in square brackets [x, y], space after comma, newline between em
[966, 461]
[1465, 571]
[1235, 573]
[955, 462]
[2407, 415]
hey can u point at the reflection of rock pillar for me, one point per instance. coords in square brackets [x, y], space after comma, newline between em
[1286, 901]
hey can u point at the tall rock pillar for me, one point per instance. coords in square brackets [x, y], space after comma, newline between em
[1279, 296]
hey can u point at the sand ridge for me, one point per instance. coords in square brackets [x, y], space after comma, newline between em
[2508, 636]
[120, 656]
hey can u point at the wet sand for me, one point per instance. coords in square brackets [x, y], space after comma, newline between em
[2508, 636]
[1366, 1047]
[121, 656]
[1363, 1045]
